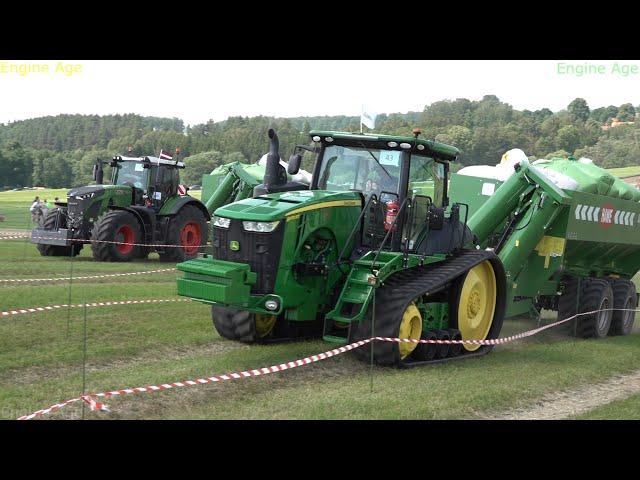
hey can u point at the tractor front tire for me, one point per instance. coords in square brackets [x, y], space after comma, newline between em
[111, 228]
[625, 297]
[240, 325]
[189, 230]
[49, 223]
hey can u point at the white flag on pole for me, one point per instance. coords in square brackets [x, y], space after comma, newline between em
[368, 117]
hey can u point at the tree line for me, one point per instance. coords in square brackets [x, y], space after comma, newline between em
[60, 151]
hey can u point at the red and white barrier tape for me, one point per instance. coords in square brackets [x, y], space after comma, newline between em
[85, 240]
[12, 237]
[289, 365]
[60, 279]
[19, 311]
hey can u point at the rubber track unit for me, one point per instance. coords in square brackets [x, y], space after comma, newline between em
[397, 291]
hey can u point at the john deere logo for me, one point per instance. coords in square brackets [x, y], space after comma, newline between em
[234, 245]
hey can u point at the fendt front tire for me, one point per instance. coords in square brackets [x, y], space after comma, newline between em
[116, 226]
[625, 297]
[49, 223]
[189, 230]
[597, 295]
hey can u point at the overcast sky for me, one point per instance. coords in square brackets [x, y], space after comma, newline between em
[196, 91]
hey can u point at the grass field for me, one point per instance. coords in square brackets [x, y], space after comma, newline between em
[625, 171]
[41, 357]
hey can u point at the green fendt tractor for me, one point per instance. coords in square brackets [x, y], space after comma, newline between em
[375, 246]
[143, 205]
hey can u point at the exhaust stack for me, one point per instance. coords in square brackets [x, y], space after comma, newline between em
[274, 173]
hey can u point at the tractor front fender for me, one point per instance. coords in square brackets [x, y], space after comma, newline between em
[175, 204]
[145, 218]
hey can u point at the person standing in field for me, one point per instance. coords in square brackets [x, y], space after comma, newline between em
[35, 209]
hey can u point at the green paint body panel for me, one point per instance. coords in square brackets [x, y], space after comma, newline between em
[435, 315]
[276, 206]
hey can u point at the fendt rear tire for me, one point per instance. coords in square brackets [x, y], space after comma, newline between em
[624, 296]
[189, 229]
[596, 294]
[116, 226]
[49, 223]
[240, 325]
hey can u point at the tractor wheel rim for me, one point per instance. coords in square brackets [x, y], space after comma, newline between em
[190, 237]
[477, 304]
[264, 324]
[410, 328]
[124, 234]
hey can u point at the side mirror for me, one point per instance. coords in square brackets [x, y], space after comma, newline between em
[294, 164]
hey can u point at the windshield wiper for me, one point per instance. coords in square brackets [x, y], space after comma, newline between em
[377, 161]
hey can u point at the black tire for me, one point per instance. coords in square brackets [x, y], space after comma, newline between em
[426, 351]
[624, 296]
[443, 348]
[116, 226]
[455, 349]
[596, 294]
[189, 214]
[56, 215]
[232, 324]
[567, 305]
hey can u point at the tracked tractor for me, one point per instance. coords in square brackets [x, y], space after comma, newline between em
[143, 205]
[374, 231]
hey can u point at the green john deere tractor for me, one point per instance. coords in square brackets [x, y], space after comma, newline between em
[144, 205]
[297, 260]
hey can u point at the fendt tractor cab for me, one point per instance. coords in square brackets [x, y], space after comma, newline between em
[375, 223]
[144, 204]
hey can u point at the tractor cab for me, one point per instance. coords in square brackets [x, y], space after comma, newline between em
[153, 179]
[403, 183]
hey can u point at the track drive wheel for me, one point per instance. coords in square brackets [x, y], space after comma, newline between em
[240, 325]
[49, 223]
[475, 304]
[624, 296]
[188, 229]
[116, 226]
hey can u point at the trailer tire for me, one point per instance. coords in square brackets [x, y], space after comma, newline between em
[596, 295]
[116, 226]
[49, 223]
[567, 305]
[624, 296]
[187, 228]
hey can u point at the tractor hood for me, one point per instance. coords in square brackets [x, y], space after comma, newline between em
[276, 206]
[91, 191]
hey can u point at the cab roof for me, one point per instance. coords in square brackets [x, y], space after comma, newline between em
[156, 160]
[437, 149]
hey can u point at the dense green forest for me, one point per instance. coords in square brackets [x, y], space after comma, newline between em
[60, 151]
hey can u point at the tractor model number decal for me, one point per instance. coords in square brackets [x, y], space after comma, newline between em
[606, 215]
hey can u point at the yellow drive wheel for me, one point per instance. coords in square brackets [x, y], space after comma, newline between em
[410, 327]
[477, 303]
[264, 324]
